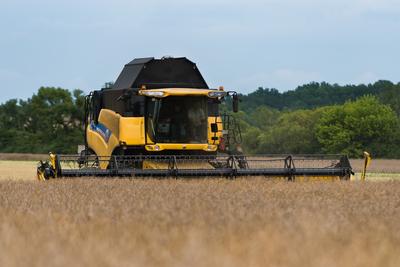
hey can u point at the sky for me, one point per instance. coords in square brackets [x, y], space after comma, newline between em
[240, 45]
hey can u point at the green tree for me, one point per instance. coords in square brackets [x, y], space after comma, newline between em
[49, 121]
[365, 124]
[251, 140]
[264, 117]
[293, 133]
[314, 95]
[253, 124]
[391, 96]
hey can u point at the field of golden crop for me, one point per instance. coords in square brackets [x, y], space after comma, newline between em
[217, 222]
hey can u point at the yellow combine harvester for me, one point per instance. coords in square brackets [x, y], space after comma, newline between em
[161, 119]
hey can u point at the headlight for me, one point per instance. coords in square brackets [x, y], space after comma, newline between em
[152, 93]
[216, 94]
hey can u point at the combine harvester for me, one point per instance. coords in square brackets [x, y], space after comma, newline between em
[160, 119]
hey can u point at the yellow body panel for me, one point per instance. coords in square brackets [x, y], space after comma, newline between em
[210, 134]
[100, 147]
[131, 130]
[111, 120]
[160, 147]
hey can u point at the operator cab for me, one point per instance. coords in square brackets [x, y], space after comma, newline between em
[177, 119]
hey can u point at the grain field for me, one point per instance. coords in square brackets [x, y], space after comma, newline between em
[218, 222]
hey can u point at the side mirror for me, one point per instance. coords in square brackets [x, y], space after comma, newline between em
[235, 103]
[214, 128]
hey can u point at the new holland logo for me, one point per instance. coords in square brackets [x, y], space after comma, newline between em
[102, 130]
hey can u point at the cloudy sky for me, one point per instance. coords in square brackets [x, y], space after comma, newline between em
[239, 44]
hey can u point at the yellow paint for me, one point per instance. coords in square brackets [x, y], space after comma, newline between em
[302, 179]
[53, 163]
[100, 147]
[110, 119]
[154, 165]
[131, 130]
[149, 140]
[160, 147]
[210, 134]
[367, 161]
[316, 178]
[40, 175]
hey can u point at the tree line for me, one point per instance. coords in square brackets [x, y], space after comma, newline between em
[323, 118]
[51, 120]
[314, 95]
[350, 128]
[313, 118]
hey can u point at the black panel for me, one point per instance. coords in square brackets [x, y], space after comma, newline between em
[112, 100]
[127, 77]
[140, 60]
[135, 106]
[125, 102]
[213, 108]
[160, 73]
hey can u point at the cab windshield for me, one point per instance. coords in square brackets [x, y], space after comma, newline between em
[177, 119]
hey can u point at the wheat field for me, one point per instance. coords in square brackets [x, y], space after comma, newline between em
[215, 222]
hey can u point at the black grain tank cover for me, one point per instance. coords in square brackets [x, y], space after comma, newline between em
[160, 73]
